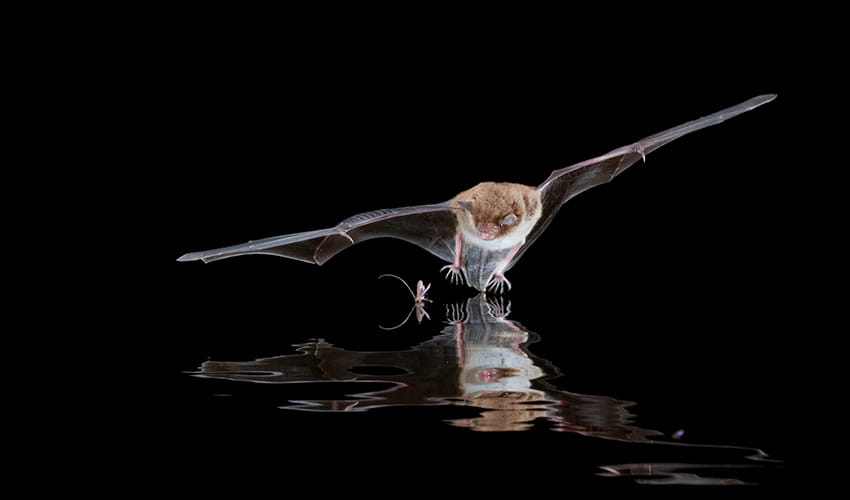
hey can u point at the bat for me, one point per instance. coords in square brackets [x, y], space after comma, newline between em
[483, 231]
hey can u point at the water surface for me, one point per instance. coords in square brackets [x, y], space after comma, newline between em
[480, 369]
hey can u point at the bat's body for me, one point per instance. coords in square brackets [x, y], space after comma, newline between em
[481, 232]
[493, 222]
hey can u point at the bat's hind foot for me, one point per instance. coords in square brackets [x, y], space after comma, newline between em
[498, 283]
[453, 274]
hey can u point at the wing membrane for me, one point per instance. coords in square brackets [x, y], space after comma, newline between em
[431, 227]
[567, 182]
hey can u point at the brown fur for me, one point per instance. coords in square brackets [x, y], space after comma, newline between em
[493, 201]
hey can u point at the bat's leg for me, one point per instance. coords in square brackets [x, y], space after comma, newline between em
[498, 282]
[454, 270]
[453, 273]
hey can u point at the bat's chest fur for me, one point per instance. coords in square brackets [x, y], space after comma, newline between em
[482, 259]
[516, 237]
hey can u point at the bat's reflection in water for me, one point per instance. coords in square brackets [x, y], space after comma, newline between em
[480, 360]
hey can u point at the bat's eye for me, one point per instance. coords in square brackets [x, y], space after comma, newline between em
[509, 220]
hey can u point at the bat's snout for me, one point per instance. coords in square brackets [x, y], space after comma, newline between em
[488, 231]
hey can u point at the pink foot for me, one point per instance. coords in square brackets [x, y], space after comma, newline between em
[453, 274]
[497, 283]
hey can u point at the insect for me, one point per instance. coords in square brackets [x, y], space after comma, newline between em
[483, 231]
[419, 299]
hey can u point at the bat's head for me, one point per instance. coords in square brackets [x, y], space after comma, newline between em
[489, 226]
[494, 210]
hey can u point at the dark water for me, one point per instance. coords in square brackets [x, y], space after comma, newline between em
[272, 379]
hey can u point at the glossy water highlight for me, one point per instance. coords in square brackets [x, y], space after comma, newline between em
[481, 360]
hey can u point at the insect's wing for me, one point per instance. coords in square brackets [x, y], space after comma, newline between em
[567, 182]
[431, 227]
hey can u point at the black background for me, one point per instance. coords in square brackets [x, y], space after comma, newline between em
[669, 287]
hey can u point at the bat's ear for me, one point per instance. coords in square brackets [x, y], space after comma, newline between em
[466, 204]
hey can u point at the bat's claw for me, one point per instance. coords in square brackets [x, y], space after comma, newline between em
[453, 274]
[497, 283]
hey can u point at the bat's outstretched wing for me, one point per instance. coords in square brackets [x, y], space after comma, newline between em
[431, 227]
[567, 182]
